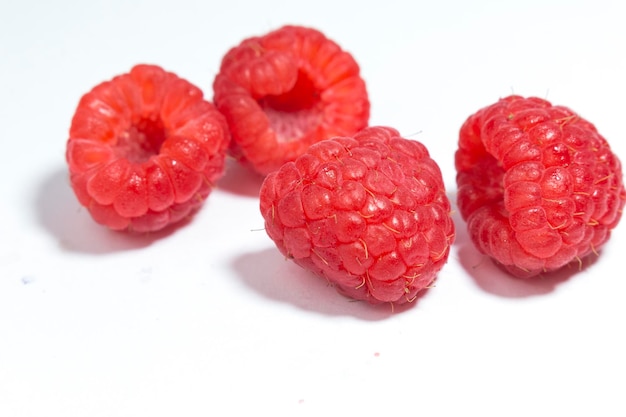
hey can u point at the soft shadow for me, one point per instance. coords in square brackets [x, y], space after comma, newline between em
[60, 214]
[271, 275]
[494, 280]
[240, 180]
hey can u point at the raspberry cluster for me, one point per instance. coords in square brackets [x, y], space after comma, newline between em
[145, 150]
[361, 206]
[286, 90]
[369, 213]
[537, 184]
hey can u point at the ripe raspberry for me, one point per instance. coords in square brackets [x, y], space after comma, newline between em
[144, 149]
[538, 185]
[286, 90]
[369, 213]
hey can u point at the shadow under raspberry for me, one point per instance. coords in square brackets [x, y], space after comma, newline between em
[271, 275]
[60, 214]
[240, 180]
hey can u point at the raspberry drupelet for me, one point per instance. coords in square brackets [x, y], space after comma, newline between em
[538, 185]
[145, 149]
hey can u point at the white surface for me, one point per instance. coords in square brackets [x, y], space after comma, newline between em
[210, 319]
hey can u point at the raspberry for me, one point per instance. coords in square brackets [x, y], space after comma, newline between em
[537, 184]
[369, 213]
[286, 90]
[144, 149]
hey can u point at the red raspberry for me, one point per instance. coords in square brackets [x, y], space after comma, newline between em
[538, 185]
[144, 149]
[369, 213]
[286, 90]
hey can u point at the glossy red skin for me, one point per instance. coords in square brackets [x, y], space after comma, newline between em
[285, 90]
[537, 184]
[145, 149]
[369, 213]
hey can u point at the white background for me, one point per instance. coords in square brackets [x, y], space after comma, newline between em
[209, 319]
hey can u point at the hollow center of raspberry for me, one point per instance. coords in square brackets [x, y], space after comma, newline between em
[296, 112]
[141, 140]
